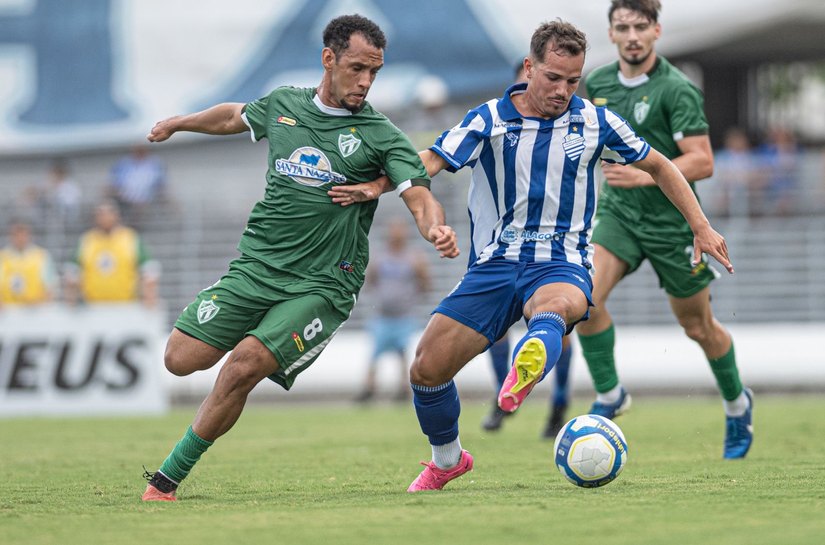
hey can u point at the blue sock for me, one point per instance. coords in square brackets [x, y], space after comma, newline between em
[437, 408]
[500, 356]
[550, 328]
[561, 395]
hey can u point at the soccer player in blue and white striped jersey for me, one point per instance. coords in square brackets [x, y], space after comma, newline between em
[532, 200]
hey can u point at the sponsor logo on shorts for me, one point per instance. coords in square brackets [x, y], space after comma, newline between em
[207, 310]
[309, 166]
[346, 266]
[298, 342]
[287, 120]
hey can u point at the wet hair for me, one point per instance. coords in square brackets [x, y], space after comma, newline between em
[339, 30]
[649, 8]
[560, 36]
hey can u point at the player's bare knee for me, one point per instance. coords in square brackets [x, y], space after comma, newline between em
[240, 374]
[248, 364]
[176, 363]
[697, 330]
[424, 371]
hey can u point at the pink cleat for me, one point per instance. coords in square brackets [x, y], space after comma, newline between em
[153, 494]
[526, 372]
[434, 478]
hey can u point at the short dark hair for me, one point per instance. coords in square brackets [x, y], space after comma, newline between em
[560, 36]
[518, 68]
[339, 30]
[648, 8]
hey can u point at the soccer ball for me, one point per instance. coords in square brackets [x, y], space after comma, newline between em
[590, 451]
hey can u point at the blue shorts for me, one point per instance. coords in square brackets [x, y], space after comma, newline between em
[491, 296]
[391, 334]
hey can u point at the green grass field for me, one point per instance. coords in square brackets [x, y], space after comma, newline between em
[298, 474]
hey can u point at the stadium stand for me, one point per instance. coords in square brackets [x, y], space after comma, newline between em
[780, 261]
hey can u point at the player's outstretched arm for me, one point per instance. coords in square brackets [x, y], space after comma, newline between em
[429, 217]
[346, 195]
[222, 118]
[673, 184]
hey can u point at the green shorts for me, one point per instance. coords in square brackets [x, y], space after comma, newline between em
[669, 252]
[294, 317]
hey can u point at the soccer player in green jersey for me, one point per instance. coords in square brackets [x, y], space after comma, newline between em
[636, 221]
[302, 257]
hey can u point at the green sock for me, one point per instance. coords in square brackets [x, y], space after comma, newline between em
[598, 353]
[184, 456]
[727, 375]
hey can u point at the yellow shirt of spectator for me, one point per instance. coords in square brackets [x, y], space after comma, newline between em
[110, 264]
[25, 277]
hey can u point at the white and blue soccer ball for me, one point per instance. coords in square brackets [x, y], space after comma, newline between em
[590, 451]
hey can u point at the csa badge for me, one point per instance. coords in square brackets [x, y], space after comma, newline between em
[640, 110]
[207, 310]
[573, 145]
[348, 144]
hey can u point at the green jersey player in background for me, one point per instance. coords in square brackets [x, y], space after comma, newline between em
[303, 257]
[636, 221]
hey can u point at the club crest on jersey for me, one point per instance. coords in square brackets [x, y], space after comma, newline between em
[512, 138]
[573, 145]
[348, 144]
[640, 110]
[207, 310]
[309, 166]
[346, 266]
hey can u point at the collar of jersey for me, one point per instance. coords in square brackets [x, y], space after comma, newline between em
[508, 111]
[640, 79]
[329, 109]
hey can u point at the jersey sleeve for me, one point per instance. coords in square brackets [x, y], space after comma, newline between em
[687, 113]
[403, 166]
[255, 114]
[463, 143]
[621, 144]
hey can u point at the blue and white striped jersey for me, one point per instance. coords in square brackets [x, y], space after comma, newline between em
[534, 190]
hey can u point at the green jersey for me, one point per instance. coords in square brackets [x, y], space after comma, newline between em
[296, 228]
[662, 107]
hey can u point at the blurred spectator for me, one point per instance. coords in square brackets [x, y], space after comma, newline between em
[738, 178]
[398, 276]
[111, 263]
[138, 181]
[61, 196]
[780, 156]
[427, 114]
[27, 275]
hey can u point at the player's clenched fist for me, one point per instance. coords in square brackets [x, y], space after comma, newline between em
[444, 240]
[163, 129]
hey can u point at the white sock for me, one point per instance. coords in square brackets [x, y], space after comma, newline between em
[738, 406]
[448, 455]
[611, 396]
